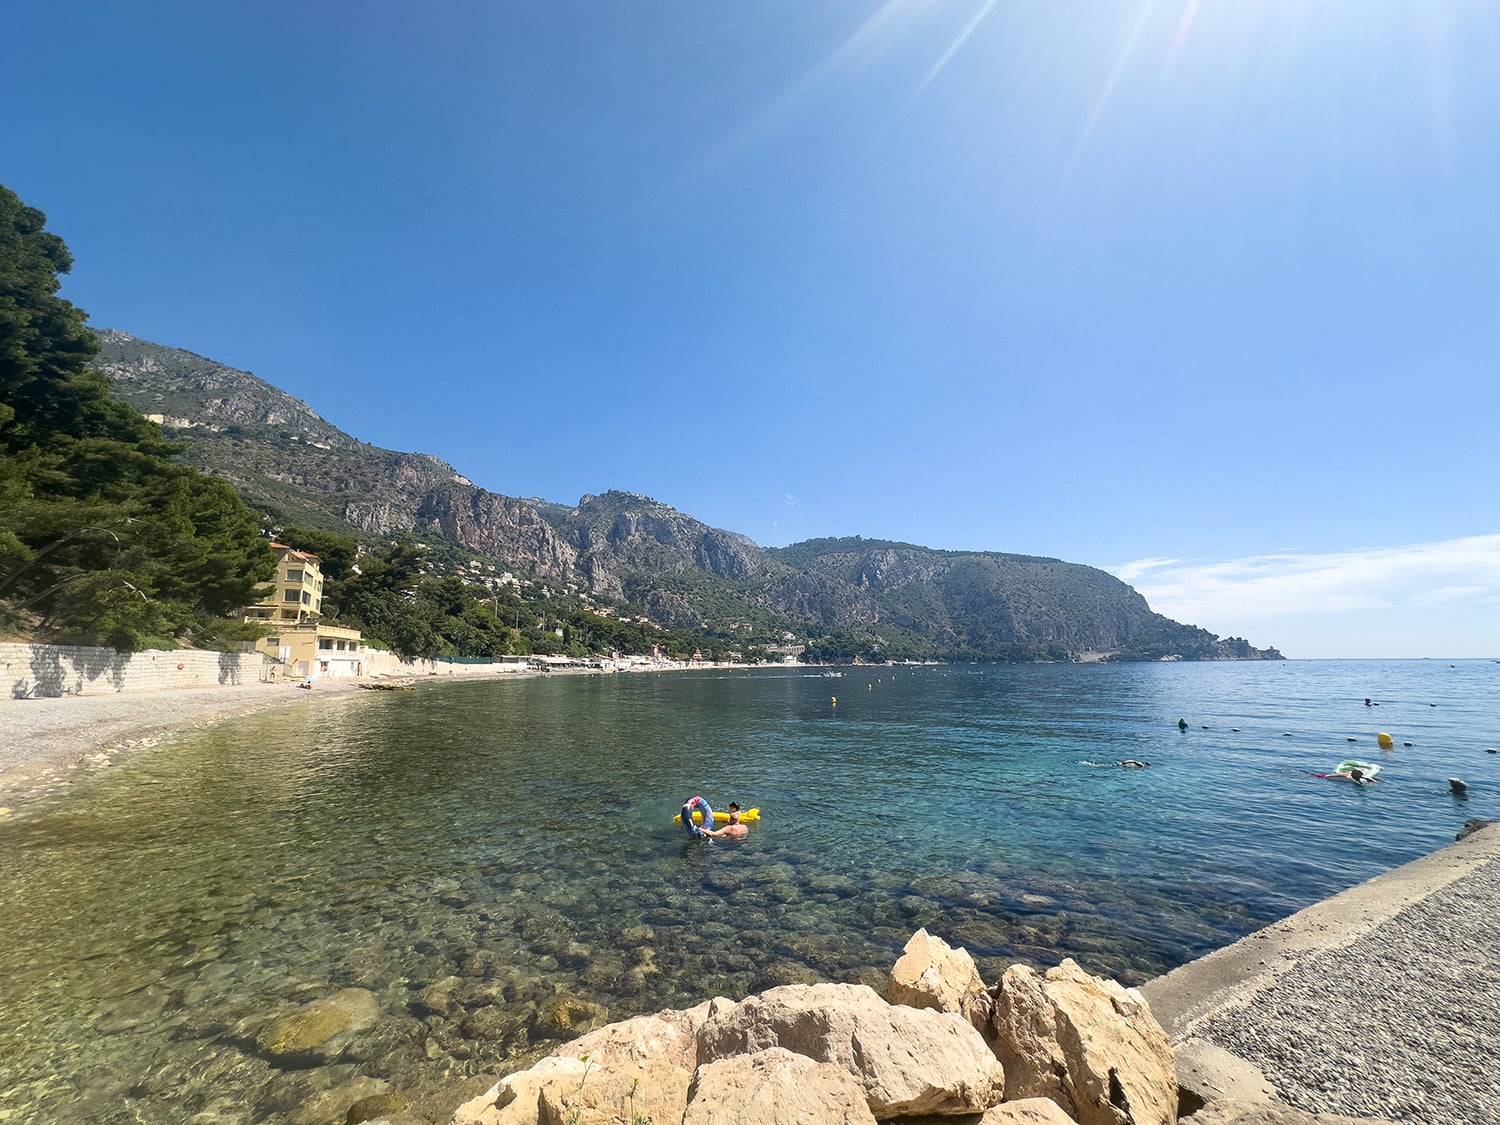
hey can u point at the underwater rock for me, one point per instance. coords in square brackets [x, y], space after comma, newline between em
[438, 999]
[319, 1030]
[562, 1016]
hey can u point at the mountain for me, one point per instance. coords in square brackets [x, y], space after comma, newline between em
[846, 597]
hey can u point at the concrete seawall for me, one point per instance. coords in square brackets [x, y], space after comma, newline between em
[1382, 1001]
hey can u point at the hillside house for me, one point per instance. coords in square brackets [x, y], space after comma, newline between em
[296, 637]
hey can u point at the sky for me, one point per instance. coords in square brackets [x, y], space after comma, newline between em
[1206, 294]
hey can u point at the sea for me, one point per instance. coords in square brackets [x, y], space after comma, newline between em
[496, 864]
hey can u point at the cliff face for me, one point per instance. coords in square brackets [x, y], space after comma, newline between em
[299, 468]
[501, 527]
[625, 533]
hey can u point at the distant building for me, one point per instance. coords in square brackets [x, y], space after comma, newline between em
[304, 646]
[297, 596]
[314, 650]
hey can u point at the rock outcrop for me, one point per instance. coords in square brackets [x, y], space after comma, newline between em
[932, 974]
[841, 1054]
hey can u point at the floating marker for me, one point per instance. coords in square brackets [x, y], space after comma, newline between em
[1384, 740]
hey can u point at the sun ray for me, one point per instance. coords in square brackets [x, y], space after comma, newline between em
[953, 49]
[1179, 38]
[1127, 49]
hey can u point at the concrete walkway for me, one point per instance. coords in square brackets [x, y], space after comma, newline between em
[1383, 1001]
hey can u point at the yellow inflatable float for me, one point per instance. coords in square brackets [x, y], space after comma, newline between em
[721, 817]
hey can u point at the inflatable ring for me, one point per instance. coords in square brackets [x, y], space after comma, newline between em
[701, 807]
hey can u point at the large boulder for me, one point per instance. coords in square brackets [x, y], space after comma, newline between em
[1090, 1045]
[775, 1087]
[908, 1060]
[669, 1037]
[932, 974]
[646, 1062]
[517, 1098]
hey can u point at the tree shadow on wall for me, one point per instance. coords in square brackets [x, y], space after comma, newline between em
[53, 676]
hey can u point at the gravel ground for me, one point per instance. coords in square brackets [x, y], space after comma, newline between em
[1402, 1024]
[46, 743]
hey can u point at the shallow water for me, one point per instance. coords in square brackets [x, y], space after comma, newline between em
[496, 863]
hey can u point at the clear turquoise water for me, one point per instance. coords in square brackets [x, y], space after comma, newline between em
[517, 837]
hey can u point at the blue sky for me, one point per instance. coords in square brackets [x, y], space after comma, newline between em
[1202, 293]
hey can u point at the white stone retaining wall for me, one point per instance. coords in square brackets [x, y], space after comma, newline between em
[28, 671]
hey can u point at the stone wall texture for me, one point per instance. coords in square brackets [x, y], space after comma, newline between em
[35, 671]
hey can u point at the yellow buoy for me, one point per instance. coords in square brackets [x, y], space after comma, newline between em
[835, 701]
[1384, 740]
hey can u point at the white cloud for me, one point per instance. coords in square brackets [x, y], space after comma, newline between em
[1131, 571]
[1425, 595]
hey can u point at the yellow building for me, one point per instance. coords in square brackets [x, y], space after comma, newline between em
[302, 644]
[297, 596]
[316, 650]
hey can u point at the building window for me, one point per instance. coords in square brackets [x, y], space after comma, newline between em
[290, 596]
[294, 576]
[273, 642]
[324, 642]
[306, 598]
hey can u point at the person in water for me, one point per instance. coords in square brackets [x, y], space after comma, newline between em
[1132, 764]
[734, 829]
[1355, 775]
